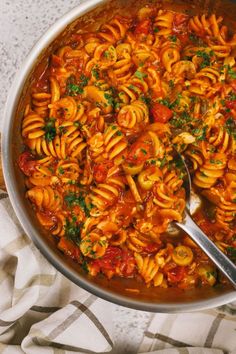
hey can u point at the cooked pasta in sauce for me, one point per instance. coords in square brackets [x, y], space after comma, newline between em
[99, 134]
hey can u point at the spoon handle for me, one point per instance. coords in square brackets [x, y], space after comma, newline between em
[213, 252]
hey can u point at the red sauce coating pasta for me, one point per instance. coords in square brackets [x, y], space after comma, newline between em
[98, 136]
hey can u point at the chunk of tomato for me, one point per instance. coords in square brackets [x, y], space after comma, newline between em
[100, 173]
[140, 151]
[110, 260]
[180, 22]
[161, 113]
[27, 163]
[116, 260]
[175, 273]
[231, 104]
[143, 27]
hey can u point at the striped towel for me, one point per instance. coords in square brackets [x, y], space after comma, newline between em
[43, 312]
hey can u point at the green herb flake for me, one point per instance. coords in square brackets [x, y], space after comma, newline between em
[109, 98]
[144, 151]
[202, 135]
[95, 72]
[140, 75]
[172, 38]
[72, 231]
[193, 38]
[61, 170]
[84, 266]
[165, 102]
[73, 89]
[72, 199]
[206, 58]
[119, 133]
[146, 99]
[231, 72]
[222, 102]
[50, 130]
[230, 127]
[215, 162]
[163, 161]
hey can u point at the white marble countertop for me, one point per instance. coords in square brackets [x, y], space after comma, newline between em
[22, 22]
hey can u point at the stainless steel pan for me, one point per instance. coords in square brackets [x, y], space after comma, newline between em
[156, 300]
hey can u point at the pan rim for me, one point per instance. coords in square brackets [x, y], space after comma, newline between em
[10, 180]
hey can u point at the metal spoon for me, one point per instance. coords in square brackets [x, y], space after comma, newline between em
[191, 228]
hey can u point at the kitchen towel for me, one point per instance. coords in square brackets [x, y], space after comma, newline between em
[43, 312]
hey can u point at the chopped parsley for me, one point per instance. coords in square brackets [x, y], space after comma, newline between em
[232, 97]
[50, 130]
[206, 58]
[72, 199]
[146, 99]
[132, 87]
[95, 72]
[119, 133]
[156, 30]
[201, 133]
[165, 102]
[230, 71]
[140, 75]
[144, 151]
[215, 162]
[163, 161]
[230, 127]
[61, 170]
[181, 120]
[72, 231]
[173, 38]
[109, 98]
[77, 89]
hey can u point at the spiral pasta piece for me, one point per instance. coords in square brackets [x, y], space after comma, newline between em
[106, 194]
[170, 54]
[44, 173]
[133, 89]
[211, 26]
[33, 126]
[133, 117]
[149, 270]
[40, 102]
[115, 144]
[113, 31]
[45, 198]
[210, 171]
[164, 21]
